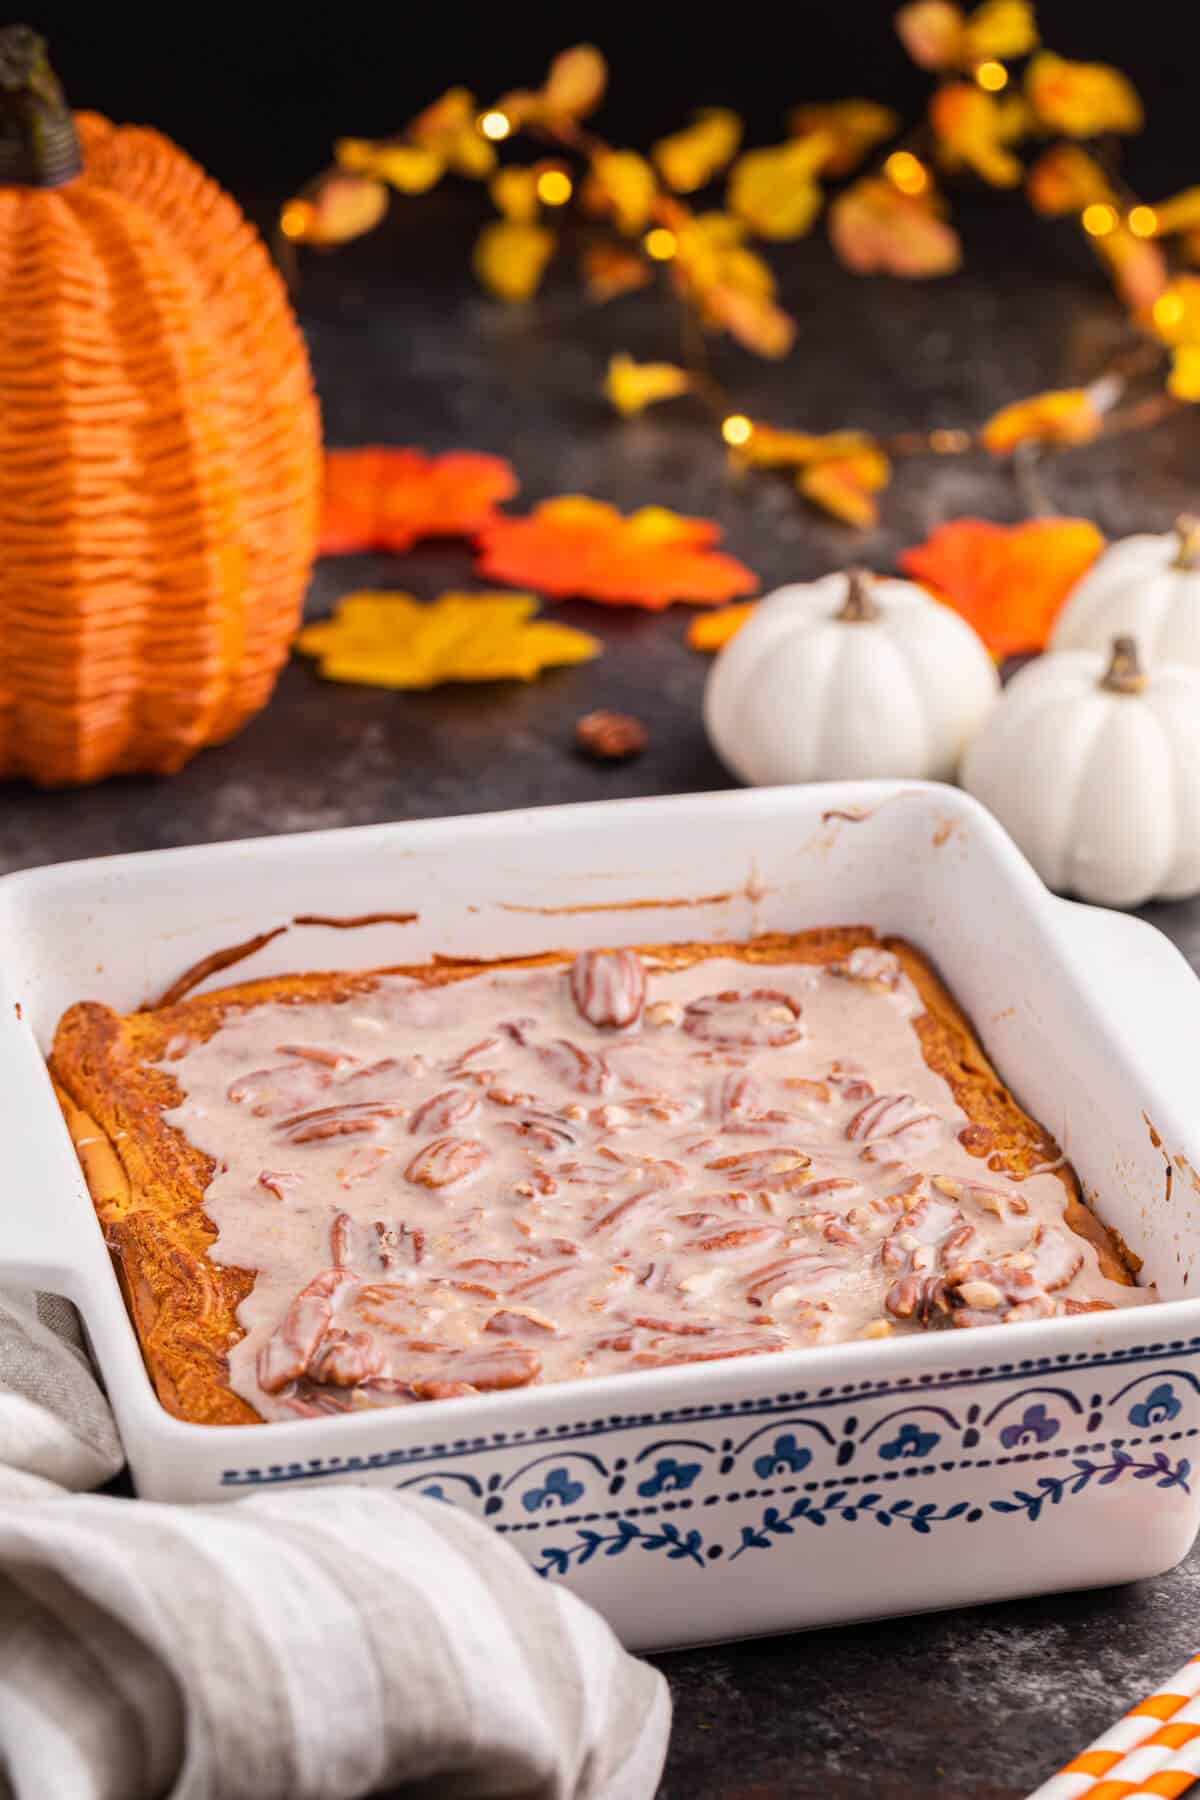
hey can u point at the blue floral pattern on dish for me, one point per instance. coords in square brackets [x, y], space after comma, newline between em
[785, 1457]
[557, 1488]
[1158, 1408]
[1035, 1427]
[669, 1476]
[910, 1440]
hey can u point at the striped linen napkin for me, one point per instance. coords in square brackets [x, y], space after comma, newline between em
[312, 1646]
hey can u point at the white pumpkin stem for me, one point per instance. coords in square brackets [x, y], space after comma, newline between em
[858, 608]
[1187, 549]
[1124, 674]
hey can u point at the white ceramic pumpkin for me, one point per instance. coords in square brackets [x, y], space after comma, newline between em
[849, 676]
[1093, 766]
[1147, 586]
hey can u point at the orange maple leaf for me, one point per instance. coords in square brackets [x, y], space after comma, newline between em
[1008, 581]
[711, 631]
[1059, 416]
[577, 546]
[384, 499]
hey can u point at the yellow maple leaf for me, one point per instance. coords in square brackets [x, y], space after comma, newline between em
[450, 129]
[510, 257]
[1175, 314]
[623, 185]
[391, 640]
[711, 631]
[573, 88]
[1136, 264]
[333, 210]
[852, 126]
[1081, 99]
[846, 485]
[688, 159]
[1180, 213]
[633, 386]
[1065, 180]
[412, 168]
[932, 33]
[972, 129]
[515, 193]
[612, 269]
[1184, 378]
[1000, 29]
[774, 191]
[876, 229]
[1060, 416]
[732, 286]
[768, 447]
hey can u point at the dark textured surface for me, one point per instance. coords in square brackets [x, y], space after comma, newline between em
[983, 1703]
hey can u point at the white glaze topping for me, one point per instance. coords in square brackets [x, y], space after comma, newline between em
[540, 1174]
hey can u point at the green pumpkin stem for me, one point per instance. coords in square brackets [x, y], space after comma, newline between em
[1124, 674]
[1187, 550]
[858, 608]
[39, 147]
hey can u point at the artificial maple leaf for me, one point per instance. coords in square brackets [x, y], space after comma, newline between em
[384, 499]
[633, 386]
[1081, 99]
[768, 447]
[973, 129]
[623, 187]
[711, 631]
[846, 485]
[391, 640]
[852, 127]
[932, 33]
[573, 88]
[1008, 581]
[998, 30]
[1065, 180]
[1184, 378]
[875, 229]
[515, 193]
[1060, 416]
[688, 159]
[450, 129]
[333, 210]
[611, 269]
[732, 287]
[510, 257]
[577, 546]
[1136, 266]
[774, 191]
[411, 168]
[1180, 213]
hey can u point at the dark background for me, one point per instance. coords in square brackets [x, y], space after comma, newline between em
[259, 95]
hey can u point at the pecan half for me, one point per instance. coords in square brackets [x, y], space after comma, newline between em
[763, 1017]
[454, 1106]
[446, 1162]
[611, 736]
[609, 987]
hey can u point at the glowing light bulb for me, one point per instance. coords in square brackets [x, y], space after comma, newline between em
[296, 218]
[495, 125]
[1167, 311]
[1098, 219]
[660, 243]
[906, 172]
[737, 429]
[554, 187]
[991, 76]
[1142, 221]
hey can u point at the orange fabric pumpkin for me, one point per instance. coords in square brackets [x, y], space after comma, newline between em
[159, 446]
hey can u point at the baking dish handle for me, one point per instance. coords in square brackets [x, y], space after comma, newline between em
[1148, 983]
[46, 1235]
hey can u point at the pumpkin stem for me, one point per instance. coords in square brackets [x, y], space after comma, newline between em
[38, 144]
[1187, 550]
[858, 608]
[1125, 674]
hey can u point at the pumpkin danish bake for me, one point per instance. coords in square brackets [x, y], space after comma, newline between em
[326, 1192]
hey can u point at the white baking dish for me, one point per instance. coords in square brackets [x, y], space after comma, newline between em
[723, 1499]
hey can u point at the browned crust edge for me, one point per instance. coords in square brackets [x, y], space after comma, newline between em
[148, 1183]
